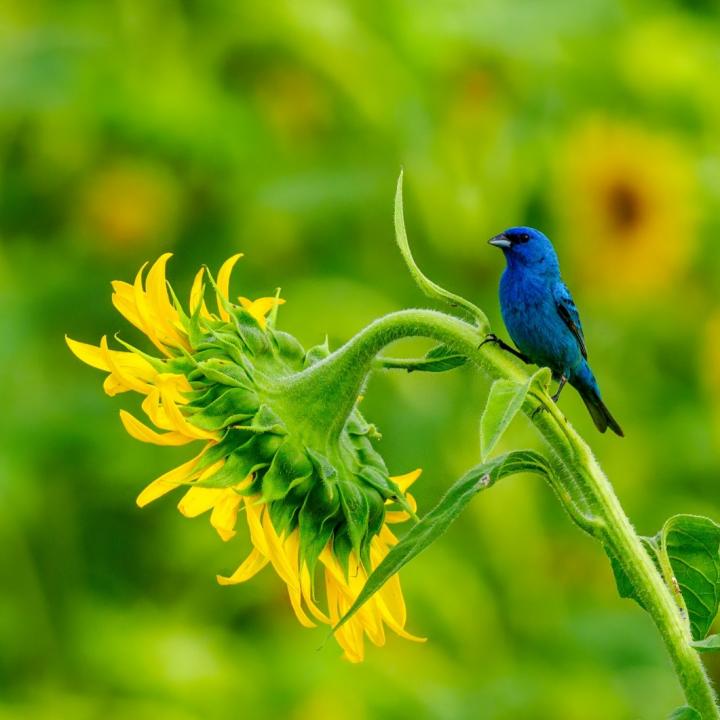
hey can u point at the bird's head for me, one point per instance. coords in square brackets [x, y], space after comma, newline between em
[526, 246]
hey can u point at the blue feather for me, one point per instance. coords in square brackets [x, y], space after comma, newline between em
[542, 318]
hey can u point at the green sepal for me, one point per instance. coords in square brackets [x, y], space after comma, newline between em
[317, 353]
[250, 331]
[368, 455]
[376, 517]
[284, 514]
[232, 440]
[289, 468]
[288, 347]
[195, 331]
[356, 510]
[266, 420]
[318, 518]
[380, 482]
[238, 465]
[357, 425]
[267, 444]
[230, 344]
[232, 407]
[223, 372]
[324, 468]
[342, 549]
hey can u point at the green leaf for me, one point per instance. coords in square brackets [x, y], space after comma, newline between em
[708, 645]
[431, 289]
[687, 554]
[504, 402]
[625, 588]
[692, 545]
[439, 519]
[440, 359]
[685, 713]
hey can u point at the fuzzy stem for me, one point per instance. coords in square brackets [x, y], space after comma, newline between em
[344, 372]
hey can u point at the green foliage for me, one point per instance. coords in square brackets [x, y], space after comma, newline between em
[433, 525]
[209, 127]
[687, 553]
[438, 359]
[430, 288]
[685, 713]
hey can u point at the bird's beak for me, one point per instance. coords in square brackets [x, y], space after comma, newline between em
[500, 241]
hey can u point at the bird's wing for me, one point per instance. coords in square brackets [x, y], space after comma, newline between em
[569, 314]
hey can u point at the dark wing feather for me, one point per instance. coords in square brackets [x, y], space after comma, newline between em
[569, 314]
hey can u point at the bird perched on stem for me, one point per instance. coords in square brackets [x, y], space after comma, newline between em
[542, 319]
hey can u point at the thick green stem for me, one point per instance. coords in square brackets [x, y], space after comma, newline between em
[345, 371]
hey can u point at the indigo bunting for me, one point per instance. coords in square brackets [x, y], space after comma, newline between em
[542, 319]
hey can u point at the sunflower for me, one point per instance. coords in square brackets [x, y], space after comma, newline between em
[320, 516]
[626, 200]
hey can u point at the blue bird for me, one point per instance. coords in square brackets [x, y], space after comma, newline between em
[542, 319]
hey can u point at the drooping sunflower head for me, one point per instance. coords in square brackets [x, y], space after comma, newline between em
[318, 512]
[625, 198]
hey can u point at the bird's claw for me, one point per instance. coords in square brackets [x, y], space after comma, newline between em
[489, 338]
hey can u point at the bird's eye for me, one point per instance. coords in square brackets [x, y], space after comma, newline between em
[522, 238]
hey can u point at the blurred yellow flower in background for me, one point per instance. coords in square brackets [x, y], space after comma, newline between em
[130, 204]
[625, 197]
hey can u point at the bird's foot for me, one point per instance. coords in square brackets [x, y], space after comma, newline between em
[495, 340]
[556, 396]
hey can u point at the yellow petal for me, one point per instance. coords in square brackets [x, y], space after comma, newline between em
[224, 514]
[112, 386]
[89, 354]
[196, 295]
[123, 299]
[169, 481]
[400, 516]
[250, 567]
[254, 508]
[277, 555]
[143, 310]
[405, 481]
[142, 432]
[349, 636]
[292, 551]
[198, 500]
[163, 314]
[223, 284]
[156, 289]
[177, 419]
[126, 369]
[261, 307]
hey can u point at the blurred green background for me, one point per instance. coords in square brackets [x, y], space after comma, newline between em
[206, 127]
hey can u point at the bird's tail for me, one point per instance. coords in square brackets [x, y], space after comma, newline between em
[587, 387]
[600, 414]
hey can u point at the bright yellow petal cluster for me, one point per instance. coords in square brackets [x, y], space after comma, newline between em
[167, 386]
